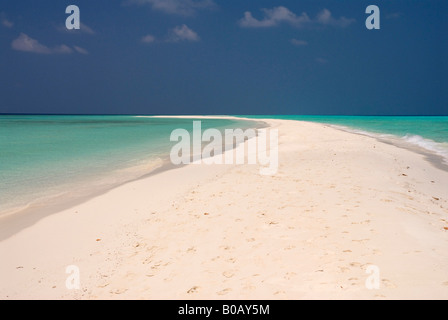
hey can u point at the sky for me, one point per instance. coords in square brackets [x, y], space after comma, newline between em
[304, 57]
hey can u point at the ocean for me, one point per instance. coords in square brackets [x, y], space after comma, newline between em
[48, 159]
[430, 133]
[44, 159]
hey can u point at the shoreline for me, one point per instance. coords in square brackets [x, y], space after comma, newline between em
[336, 205]
[15, 219]
[431, 156]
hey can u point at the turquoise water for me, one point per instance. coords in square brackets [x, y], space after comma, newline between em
[428, 132]
[46, 158]
[43, 158]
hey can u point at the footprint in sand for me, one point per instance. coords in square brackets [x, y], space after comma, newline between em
[130, 275]
[360, 240]
[194, 289]
[224, 291]
[147, 260]
[191, 250]
[356, 264]
[289, 275]
[103, 285]
[228, 274]
[388, 284]
[118, 291]
[155, 266]
[231, 260]
[362, 222]
[249, 287]
[343, 269]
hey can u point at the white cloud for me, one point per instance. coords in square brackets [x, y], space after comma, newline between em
[5, 22]
[182, 33]
[28, 44]
[180, 7]
[61, 49]
[273, 17]
[278, 15]
[299, 43]
[25, 43]
[148, 39]
[83, 28]
[86, 29]
[325, 17]
[80, 50]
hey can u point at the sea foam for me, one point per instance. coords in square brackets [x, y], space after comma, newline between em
[440, 149]
[408, 140]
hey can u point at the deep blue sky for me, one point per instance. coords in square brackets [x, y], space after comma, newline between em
[200, 57]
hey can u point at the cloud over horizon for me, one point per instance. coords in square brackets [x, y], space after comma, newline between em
[178, 7]
[5, 22]
[278, 15]
[28, 44]
[83, 28]
[273, 17]
[325, 18]
[80, 50]
[298, 43]
[183, 33]
[148, 39]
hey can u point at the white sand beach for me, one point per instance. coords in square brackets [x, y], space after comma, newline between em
[339, 203]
